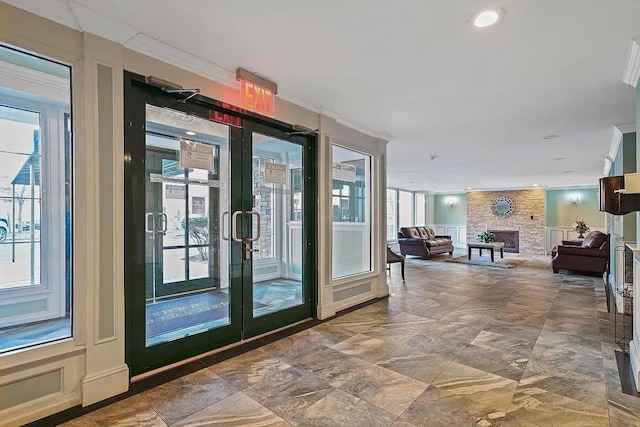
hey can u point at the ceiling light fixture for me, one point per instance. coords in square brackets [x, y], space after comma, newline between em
[487, 18]
[190, 133]
[535, 185]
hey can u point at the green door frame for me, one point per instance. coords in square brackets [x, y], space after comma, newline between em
[141, 358]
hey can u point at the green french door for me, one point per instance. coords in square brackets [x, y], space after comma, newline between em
[220, 228]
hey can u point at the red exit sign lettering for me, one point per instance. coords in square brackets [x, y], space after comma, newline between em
[258, 98]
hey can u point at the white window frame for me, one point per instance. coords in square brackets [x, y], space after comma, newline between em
[52, 284]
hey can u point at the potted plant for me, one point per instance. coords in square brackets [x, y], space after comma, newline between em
[581, 227]
[486, 237]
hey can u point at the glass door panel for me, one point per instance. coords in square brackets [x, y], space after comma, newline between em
[187, 280]
[276, 286]
[277, 282]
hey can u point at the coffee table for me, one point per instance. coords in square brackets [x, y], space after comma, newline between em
[491, 246]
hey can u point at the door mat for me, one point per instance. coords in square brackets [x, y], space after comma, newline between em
[486, 261]
[178, 313]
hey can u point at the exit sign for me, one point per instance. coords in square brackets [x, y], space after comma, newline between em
[257, 98]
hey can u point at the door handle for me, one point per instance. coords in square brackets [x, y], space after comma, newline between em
[234, 226]
[257, 215]
[224, 214]
[147, 222]
[165, 222]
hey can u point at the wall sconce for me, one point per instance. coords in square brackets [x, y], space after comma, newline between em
[574, 199]
[451, 201]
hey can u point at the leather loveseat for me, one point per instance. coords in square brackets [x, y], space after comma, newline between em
[592, 255]
[423, 242]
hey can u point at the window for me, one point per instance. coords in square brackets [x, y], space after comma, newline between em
[405, 208]
[392, 209]
[421, 212]
[351, 210]
[35, 200]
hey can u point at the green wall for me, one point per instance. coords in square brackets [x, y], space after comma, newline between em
[560, 211]
[445, 214]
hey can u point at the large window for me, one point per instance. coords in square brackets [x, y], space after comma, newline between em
[35, 200]
[421, 210]
[392, 211]
[351, 212]
[405, 208]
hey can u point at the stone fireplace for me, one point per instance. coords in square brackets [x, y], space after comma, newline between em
[511, 239]
[527, 219]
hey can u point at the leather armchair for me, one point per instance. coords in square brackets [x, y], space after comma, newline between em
[591, 256]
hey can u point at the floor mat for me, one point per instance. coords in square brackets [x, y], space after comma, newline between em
[179, 313]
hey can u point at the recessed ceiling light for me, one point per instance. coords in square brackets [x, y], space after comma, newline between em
[487, 18]
[190, 133]
[547, 137]
[468, 188]
[535, 185]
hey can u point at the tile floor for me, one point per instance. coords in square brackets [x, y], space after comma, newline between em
[454, 345]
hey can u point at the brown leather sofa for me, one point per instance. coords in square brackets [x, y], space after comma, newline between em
[423, 242]
[592, 255]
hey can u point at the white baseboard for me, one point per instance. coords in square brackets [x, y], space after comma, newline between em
[326, 311]
[635, 361]
[105, 384]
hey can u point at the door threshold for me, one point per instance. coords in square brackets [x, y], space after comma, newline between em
[235, 348]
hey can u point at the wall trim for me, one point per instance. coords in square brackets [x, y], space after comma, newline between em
[37, 409]
[355, 300]
[632, 70]
[105, 384]
[616, 139]
[341, 120]
[325, 311]
[627, 127]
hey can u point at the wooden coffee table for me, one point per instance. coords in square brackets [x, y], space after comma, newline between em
[491, 246]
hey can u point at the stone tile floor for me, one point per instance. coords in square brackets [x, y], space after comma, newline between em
[454, 345]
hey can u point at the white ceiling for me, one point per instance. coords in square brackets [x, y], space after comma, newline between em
[481, 100]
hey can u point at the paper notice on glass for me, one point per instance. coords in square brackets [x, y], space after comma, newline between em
[275, 173]
[196, 155]
[348, 173]
[337, 171]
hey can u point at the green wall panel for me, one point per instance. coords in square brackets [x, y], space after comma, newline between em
[560, 211]
[446, 214]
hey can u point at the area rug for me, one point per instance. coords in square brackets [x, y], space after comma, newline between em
[486, 261]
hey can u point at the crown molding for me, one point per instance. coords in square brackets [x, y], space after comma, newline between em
[156, 49]
[54, 10]
[338, 118]
[632, 70]
[616, 138]
[627, 127]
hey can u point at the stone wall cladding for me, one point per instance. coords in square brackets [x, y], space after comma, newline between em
[528, 203]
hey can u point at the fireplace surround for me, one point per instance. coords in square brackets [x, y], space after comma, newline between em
[511, 239]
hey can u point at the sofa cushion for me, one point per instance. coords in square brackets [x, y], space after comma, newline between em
[431, 233]
[423, 232]
[595, 239]
[410, 232]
